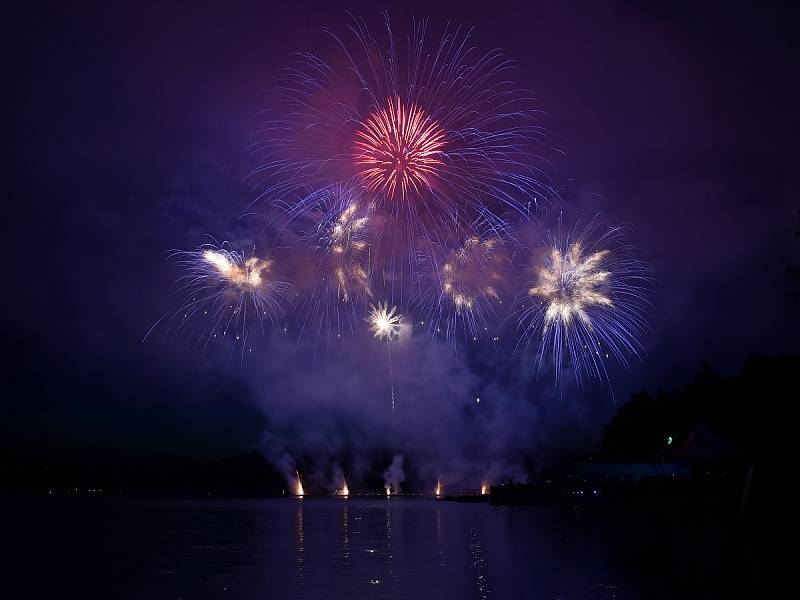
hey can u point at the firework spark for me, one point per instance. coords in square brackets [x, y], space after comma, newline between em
[588, 303]
[245, 274]
[226, 290]
[464, 287]
[386, 323]
[460, 271]
[347, 243]
[571, 284]
[334, 228]
[398, 149]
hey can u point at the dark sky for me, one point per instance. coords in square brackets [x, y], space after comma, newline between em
[129, 136]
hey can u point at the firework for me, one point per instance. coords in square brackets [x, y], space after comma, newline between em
[587, 304]
[571, 285]
[431, 125]
[437, 151]
[398, 148]
[334, 228]
[346, 244]
[244, 274]
[464, 287]
[386, 323]
[298, 487]
[226, 290]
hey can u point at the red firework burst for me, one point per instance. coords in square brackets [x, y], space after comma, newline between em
[398, 148]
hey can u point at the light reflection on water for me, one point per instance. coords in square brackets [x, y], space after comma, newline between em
[439, 534]
[479, 564]
[300, 540]
[346, 535]
[326, 547]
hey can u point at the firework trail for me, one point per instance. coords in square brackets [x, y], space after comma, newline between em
[588, 303]
[386, 324]
[461, 290]
[334, 229]
[227, 290]
[430, 125]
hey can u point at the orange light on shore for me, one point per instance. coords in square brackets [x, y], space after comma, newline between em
[438, 489]
[299, 487]
[388, 491]
[484, 489]
[345, 491]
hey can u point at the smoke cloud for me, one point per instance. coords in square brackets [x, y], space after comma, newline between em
[394, 475]
[328, 413]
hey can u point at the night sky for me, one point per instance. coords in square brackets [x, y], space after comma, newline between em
[129, 137]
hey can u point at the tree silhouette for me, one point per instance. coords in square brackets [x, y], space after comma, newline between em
[746, 411]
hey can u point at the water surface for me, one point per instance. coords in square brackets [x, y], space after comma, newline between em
[314, 548]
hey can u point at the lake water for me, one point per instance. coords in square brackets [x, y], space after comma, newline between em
[316, 548]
